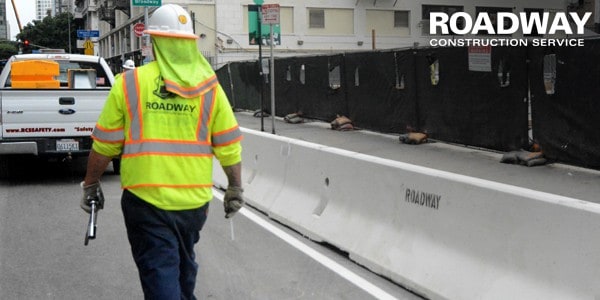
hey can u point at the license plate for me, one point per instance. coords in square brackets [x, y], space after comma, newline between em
[67, 145]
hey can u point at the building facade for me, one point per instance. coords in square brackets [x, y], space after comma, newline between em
[4, 26]
[226, 27]
[43, 8]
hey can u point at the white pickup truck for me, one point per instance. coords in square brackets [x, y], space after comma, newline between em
[50, 104]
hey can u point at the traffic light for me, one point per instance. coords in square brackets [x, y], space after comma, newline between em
[24, 46]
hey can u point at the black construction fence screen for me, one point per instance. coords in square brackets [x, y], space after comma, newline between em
[565, 102]
[497, 98]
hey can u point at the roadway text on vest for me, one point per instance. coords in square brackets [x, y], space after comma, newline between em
[173, 107]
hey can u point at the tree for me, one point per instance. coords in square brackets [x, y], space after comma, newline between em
[51, 32]
[7, 49]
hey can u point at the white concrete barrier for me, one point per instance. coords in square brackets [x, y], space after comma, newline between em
[263, 172]
[443, 235]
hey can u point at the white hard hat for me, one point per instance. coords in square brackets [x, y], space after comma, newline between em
[171, 20]
[129, 64]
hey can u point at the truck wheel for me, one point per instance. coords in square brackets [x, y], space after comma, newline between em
[116, 162]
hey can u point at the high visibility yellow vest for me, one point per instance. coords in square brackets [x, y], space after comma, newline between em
[167, 142]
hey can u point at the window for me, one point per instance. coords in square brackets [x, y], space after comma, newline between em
[493, 14]
[342, 24]
[286, 26]
[449, 10]
[64, 66]
[401, 19]
[388, 22]
[316, 18]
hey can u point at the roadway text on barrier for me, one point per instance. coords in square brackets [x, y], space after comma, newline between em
[425, 199]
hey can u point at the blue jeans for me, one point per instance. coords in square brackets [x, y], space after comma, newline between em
[162, 243]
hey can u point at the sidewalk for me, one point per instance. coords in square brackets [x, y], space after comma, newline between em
[560, 179]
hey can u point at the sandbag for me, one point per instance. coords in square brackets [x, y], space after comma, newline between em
[342, 123]
[510, 158]
[523, 157]
[413, 138]
[294, 118]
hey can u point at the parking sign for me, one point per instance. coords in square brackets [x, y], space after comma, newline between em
[270, 13]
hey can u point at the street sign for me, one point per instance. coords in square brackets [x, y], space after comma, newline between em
[270, 13]
[138, 29]
[88, 46]
[146, 3]
[84, 34]
[147, 50]
[258, 33]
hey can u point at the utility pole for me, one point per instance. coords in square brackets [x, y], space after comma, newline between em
[146, 37]
[260, 62]
[17, 15]
[270, 16]
[272, 73]
[69, 22]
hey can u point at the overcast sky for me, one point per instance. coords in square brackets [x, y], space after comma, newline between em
[26, 11]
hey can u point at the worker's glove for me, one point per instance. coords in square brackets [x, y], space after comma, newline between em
[233, 200]
[92, 192]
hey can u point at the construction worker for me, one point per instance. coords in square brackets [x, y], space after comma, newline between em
[167, 119]
[129, 65]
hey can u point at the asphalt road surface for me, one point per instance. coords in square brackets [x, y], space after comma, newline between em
[42, 252]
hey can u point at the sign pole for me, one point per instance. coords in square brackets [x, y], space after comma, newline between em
[260, 66]
[68, 24]
[146, 38]
[262, 75]
[270, 15]
[272, 71]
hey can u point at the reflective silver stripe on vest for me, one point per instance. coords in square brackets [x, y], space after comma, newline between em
[167, 148]
[226, 138]
[163, 147]
[108, 136]
[207, 104]
[133, 100]
[172, 87]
